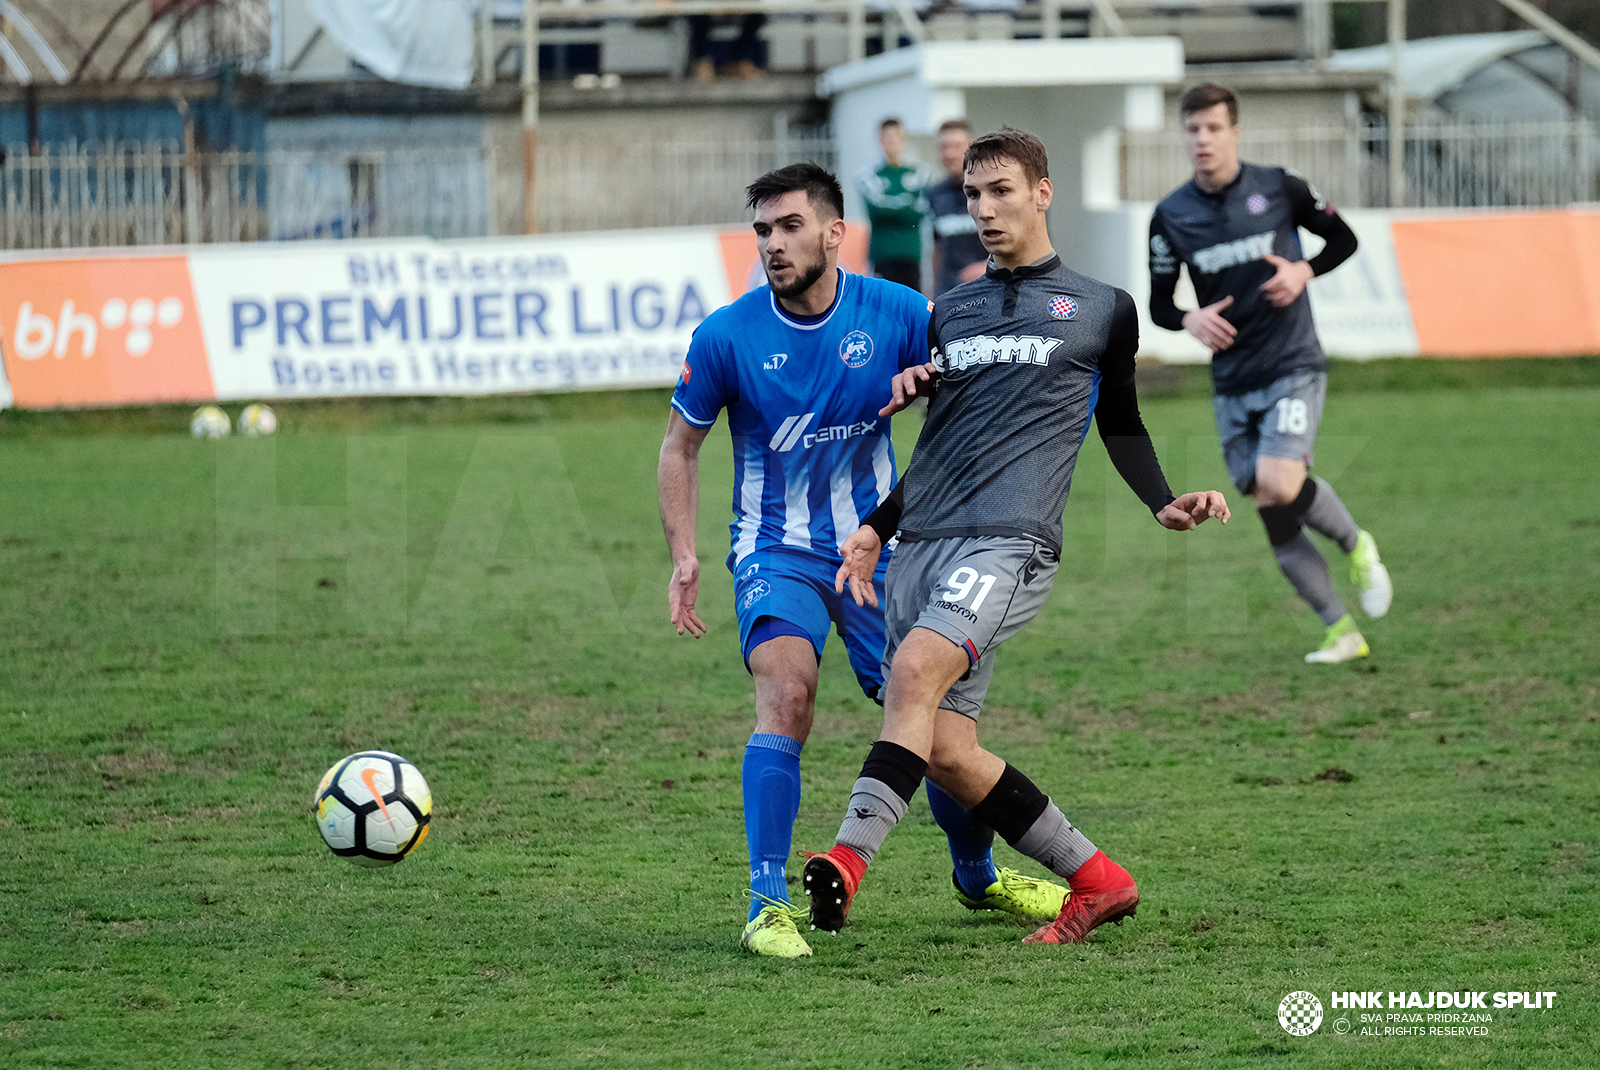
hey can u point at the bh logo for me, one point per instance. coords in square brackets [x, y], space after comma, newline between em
[856, 349]
[1300, 1014]
[38, 334]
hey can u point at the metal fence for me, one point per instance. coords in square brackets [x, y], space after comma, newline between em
[588, 183]
[129, 196]
[160, 195]
[157, 195]
[380, 194]
[1448, 165]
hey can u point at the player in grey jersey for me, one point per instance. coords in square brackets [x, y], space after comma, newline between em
[1236, 226]
[1018, 358]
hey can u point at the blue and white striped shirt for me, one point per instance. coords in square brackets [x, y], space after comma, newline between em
[812, 457]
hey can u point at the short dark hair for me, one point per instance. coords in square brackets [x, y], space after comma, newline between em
[1009, 143]
[821, 188]
[887, 123]
[1209, 95]
[955, 124]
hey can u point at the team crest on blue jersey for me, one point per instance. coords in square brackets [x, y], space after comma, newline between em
[758, 590]
[1063, 307]
[856, 349]
[1256, 203]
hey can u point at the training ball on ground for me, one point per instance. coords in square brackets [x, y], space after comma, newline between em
[257, 420]
[373, 808]
[209, 421]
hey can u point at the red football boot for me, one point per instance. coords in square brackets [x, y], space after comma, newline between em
[1102, 891]
[831, 880]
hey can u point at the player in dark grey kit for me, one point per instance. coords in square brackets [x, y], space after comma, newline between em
[1236, 226]
[1022, 358]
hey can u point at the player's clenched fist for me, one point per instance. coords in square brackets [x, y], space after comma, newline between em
[1193, 509]
[860, 553]
[905, 388]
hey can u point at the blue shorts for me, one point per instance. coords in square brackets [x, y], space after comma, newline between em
[775, 588]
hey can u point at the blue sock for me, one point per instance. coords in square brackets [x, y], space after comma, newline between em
[771, 782]
[971, 842]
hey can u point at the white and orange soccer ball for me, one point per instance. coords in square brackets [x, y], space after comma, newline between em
[373, 808]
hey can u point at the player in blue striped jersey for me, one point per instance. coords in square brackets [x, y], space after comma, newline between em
[802, 366]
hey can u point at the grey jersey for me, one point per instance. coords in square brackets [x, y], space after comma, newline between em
[1224, 237]
[1020, 360]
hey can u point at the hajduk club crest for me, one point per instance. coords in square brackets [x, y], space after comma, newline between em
[1063, 307]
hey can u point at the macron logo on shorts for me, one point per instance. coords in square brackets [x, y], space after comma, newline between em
[788, 434]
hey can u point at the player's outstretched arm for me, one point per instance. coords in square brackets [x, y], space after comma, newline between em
[860, 552]
[678, 493]
[905, 387]
[1193, 509]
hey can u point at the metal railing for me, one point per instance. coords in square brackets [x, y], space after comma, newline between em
[1447, 165]
[589, 183]
[437, 193]
[81, 197]
[137, 195]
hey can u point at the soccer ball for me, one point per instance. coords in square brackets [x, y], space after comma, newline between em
[209, 421]
[373, 808]
[257, 420]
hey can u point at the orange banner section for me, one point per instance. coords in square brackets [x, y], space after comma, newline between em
[1526, 284]
[102, 332]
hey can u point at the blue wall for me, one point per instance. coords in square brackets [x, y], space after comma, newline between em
[222, 122]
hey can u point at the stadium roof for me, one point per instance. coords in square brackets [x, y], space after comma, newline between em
[1516, 75]
[1434, 66]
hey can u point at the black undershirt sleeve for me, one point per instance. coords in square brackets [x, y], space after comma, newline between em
[1116, 413]
[1316, 215]
[1163, 278]
[885, 519]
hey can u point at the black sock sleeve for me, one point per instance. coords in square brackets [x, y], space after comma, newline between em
[1284, 521]
[1012, 806]
[897, 767]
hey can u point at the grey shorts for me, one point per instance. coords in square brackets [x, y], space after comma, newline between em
[1279, 420]
[977, 592]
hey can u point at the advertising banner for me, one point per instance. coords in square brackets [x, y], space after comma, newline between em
[404, 316]
[1541, 268]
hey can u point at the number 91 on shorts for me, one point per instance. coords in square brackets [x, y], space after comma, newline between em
[976, 591]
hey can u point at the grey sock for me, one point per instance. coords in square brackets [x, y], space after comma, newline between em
[1307, 570]
[1328, 516]
[1055, 844]
[875, 809]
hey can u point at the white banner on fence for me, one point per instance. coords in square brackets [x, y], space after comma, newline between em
[1360, 308]
[418, 317]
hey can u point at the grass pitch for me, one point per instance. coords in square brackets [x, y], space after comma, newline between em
[191, 632]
